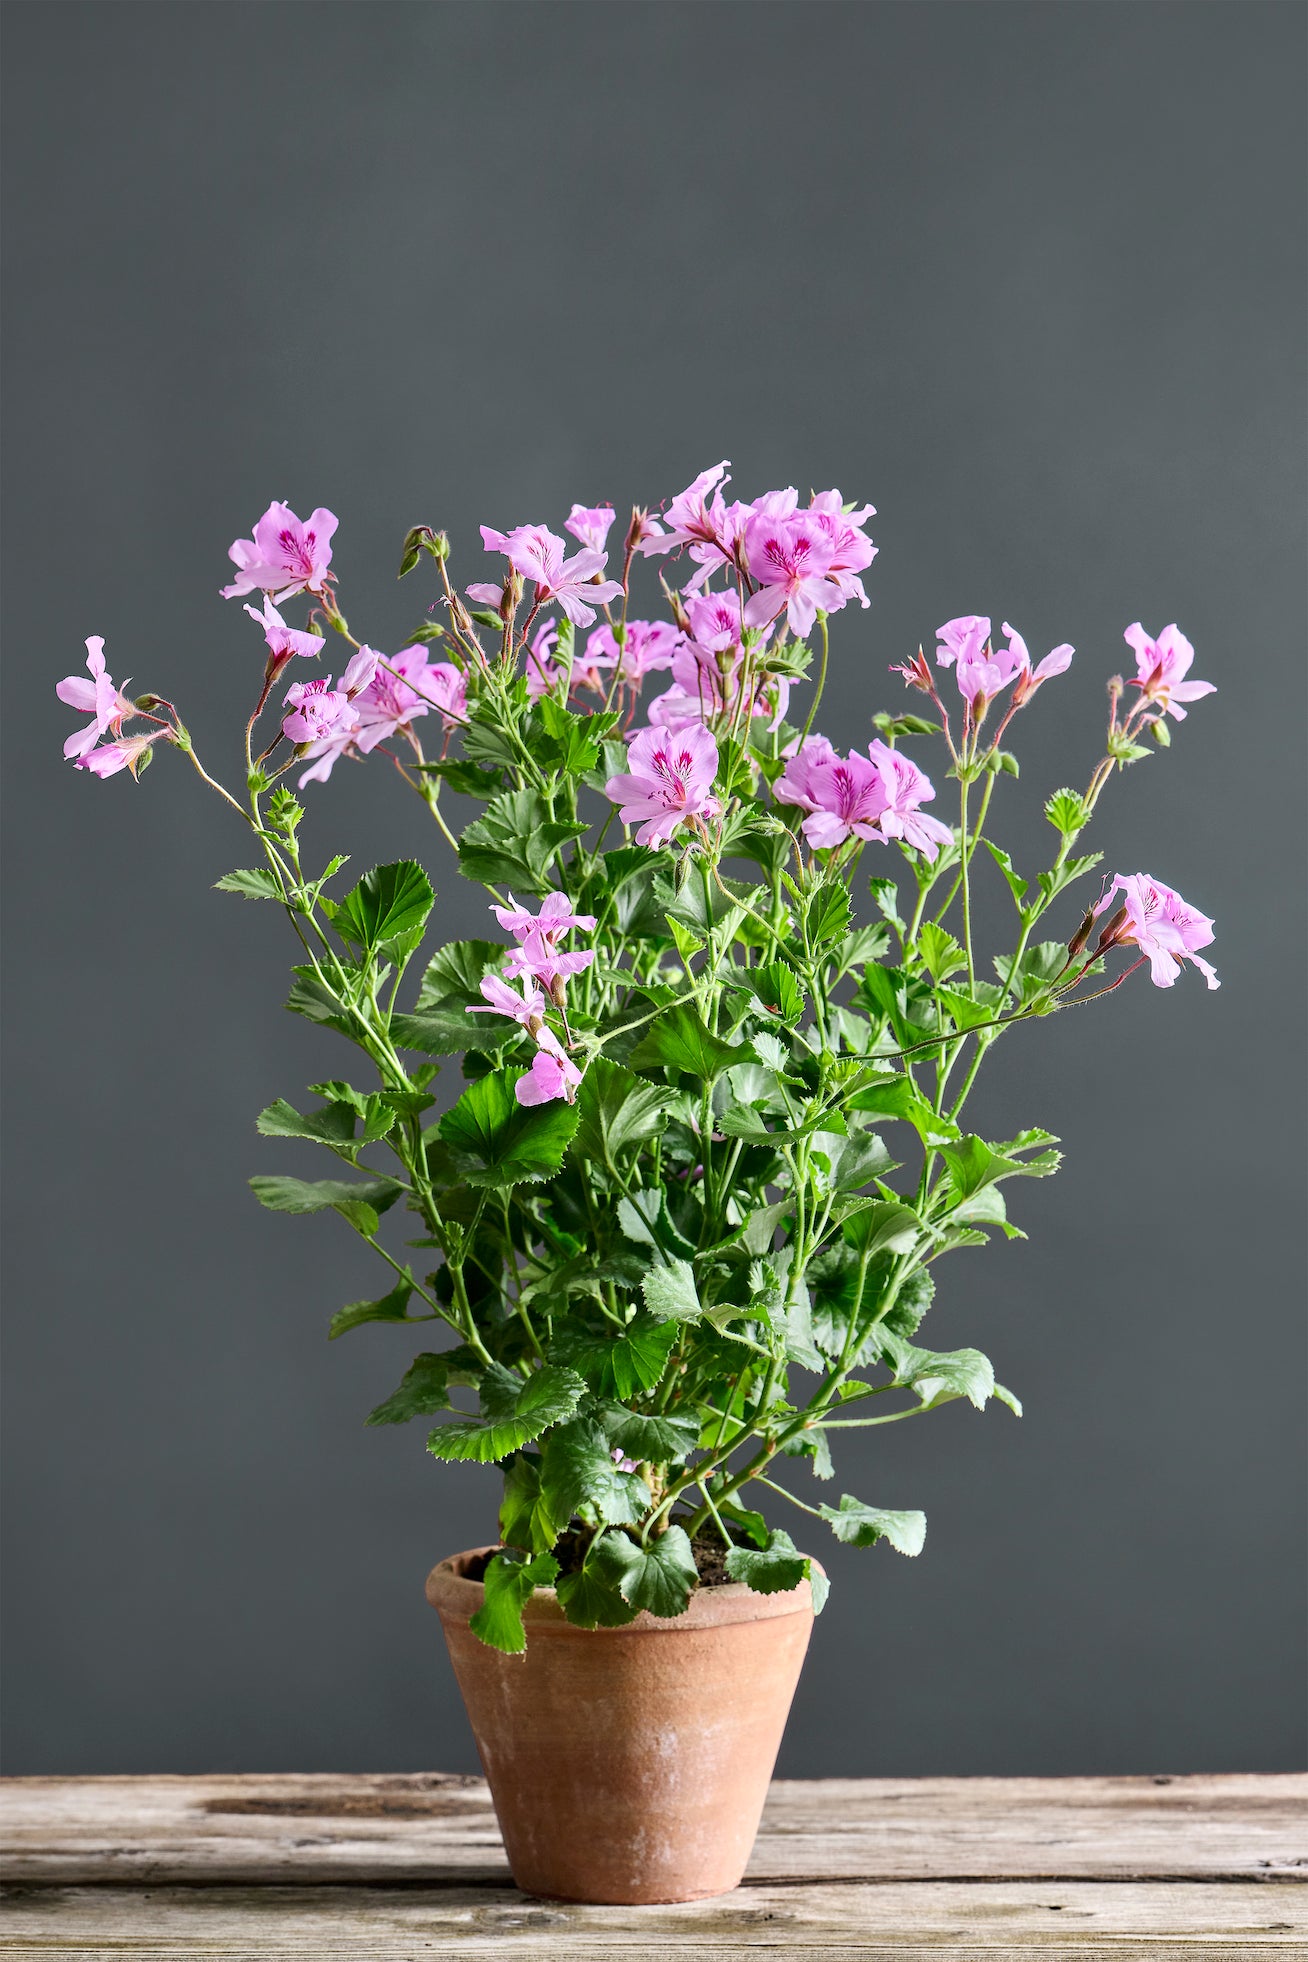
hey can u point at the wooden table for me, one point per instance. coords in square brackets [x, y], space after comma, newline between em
[409, 1867]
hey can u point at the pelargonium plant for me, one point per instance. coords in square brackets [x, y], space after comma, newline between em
[682, 1222]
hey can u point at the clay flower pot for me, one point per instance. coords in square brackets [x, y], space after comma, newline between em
[629, 1765]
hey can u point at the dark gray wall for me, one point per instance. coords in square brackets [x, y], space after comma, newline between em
[1030, 278]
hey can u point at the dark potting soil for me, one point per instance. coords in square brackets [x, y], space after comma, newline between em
[710, 1558]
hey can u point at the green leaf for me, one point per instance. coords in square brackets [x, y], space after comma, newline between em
[513, 1413]
[882, 1227]
[316, 1002]
[425, 1386]
[392, 1307]
[916, 1293]
[1053, 882]
[450, 1031]
[454, 974]
[972, 1163]
[514, 842]
[1017, 886]
[332, 1126]
[525, 1520]
[826, 913]
[389, 903]
[590, 1599]
[776, 990]
[258, 883]
[776, 1568]
[578, 1475]
[885, 893]
[653, 1440]
[678, 1039]
[496, 1141]
[937, 1377]
[645, 1220]
[659, 1577]
[623, 1365]
[670, 1292]
[1066, 812]
[858, 1525]
[940, 951]
[283, 1195]
[509, 1581]
[617, 1110]
[963, 1011]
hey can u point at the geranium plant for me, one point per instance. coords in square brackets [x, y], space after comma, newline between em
[682, 1223]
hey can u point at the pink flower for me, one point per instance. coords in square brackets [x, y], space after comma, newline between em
[99, 698]
[1162, 665]
[791, 554]
[590, 524]
[1056, 662]
[1161, 925]
[538, 956]
[538, 935]
[554, 919]
[128, 753]
[848, 798]
[670, 780]
[714, 620]
[284, 557]
[854, 552]
[359, 671]
[404, 687]
[446, 688]
[538, 554]
[713, 529]
[796, 785]
[283, 641]
[621, 1460]
[316, 710]
[501, 999]
[966, 635]
[551, 1075]
[543, 671]
[906, 787]
[647, 648]
[702, 690]
[980, 670]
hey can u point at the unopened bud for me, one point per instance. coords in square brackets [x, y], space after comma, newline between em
[636, 529]
[1112, 934]
[1079, 939]
[535, 1023]
[675, 602]
[147, 702]
[440, 546]
[556, 991]
[511, 598]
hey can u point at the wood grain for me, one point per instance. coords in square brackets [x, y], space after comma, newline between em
[411, 1866]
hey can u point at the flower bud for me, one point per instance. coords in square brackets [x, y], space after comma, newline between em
[556, 991]
[1112, 934]
[1079, 939]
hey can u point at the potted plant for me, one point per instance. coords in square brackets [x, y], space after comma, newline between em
[680, 1226]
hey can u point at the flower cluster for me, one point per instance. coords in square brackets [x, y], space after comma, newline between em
[543, 968]
[874, 796]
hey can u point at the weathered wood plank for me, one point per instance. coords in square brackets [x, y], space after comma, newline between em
[1026, 1920]
[440, 1829]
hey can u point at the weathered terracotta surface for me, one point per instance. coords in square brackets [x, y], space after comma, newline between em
[629, 1765]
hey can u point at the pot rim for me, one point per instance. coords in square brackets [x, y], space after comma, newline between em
[456, 1598]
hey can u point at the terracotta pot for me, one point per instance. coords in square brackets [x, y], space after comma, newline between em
[629, 1765]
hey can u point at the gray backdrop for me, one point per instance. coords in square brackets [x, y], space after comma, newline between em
[1028, 277]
